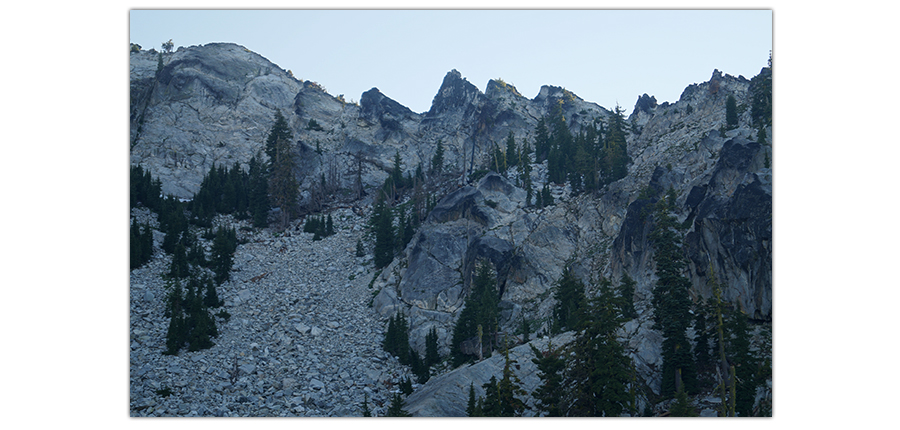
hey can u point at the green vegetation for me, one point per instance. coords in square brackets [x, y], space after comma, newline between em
[283, 186]
[479, 317]
[731, 114]
[671, 299]
[761, 96]
[396, 339]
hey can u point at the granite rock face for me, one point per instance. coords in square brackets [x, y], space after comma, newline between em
[214, 104]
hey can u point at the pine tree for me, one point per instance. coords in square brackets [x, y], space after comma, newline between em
[598, 377]
[671, 299]
[280, 131]
[550, 366]
[509, 390]
[396, 407]
[542, 141]
[283, 186]
[223, 249]
[569, 311]
[512, 158]
[626, 293]
[437, 161]
[432, 356]
[179, 266]
[546, 197]
[682, 406]
[258, 196]
[471, 406]
[731, 116]
[381, 224]
[329, 226]
[491, 406]
[616, 151]
[366, 412]
[480, 309]
[745, 364]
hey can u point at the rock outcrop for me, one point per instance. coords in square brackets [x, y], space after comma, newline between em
[214, 104]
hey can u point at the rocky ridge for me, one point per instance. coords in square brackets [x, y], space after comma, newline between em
[723, 183]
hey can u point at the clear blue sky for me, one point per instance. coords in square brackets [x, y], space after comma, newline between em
[603, 56]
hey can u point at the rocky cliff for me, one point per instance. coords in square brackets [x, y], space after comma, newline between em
[213, 104]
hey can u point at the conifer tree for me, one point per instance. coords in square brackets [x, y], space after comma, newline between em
[381, 224]
[396, 407]
[491, 405]
[471, 406]
[509, 390]
[731, 116]
[480, 309]
[366, 412]
[626, 293]
[569, 311]
[550, 366]
[329, 226]
[258, 198]
[542, 141]
[599, 374]
[437, 161]
[223, 249]
[432, 355]
[280, 131]
[283, 186]
[512, 158]
[546, 197]
[671, 299]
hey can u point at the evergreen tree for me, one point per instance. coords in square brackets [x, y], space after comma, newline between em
[223, 249]
[396, 339]
[512, 158]
[671, 299]
[682, 406]
[280, 131]
[381, 224]
[525, 177]
[480, 309]
[550, 366]
[417, 367]
[745, 363]
[491, 404]
[190, 321]
[258, 198]
[396, 407]
[432, 355]
[546, 197]
[329, 226]
[542, 141]
[616, 157]
[406, 386]
[509, 390]
[761, 96]
[731, 116]
[437, 161]
[471, 405]
[626, 293]
[569, 310]
[366, 412]
[179, 266]
[397, 172]
[599, 374]
[283, 186]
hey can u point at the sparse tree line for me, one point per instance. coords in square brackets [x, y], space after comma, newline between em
[593, 375]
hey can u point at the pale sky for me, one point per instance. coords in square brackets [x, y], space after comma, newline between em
[603, 56]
